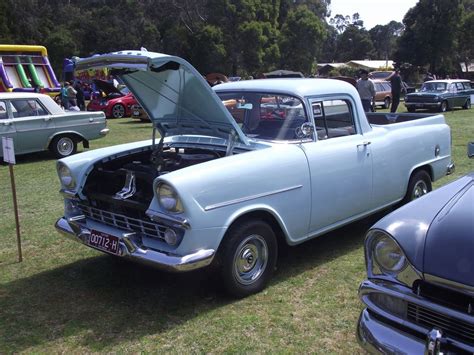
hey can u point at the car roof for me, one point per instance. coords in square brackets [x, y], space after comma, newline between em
[20, 95]
[448, 81]
[292, 86]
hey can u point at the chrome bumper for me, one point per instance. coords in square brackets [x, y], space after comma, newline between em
[380, 331]
[104, 132]
[450, 169]
[377, 337]
[131, 250]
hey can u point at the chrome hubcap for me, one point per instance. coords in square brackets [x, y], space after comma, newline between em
[65, 146]
[250, 259]
[419, 190]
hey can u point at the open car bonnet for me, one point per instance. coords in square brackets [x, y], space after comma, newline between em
[175, 96]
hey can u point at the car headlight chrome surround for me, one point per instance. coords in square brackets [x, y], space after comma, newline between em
[65, 176]
[168, 198]
[386, 253]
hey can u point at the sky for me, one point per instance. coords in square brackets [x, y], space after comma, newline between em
[373, 12]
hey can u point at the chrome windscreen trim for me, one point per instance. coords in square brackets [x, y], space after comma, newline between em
[249, 198]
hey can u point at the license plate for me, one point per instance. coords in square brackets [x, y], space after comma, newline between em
[104, 241]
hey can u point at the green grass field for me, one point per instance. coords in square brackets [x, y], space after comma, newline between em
[65, 297]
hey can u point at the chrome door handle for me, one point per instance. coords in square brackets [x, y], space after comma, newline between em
[364, 144]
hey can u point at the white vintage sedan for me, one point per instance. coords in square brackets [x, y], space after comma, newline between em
[36, 123]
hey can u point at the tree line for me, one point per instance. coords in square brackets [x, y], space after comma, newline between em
[243, 37]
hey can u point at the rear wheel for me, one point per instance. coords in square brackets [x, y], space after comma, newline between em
[467, 105]
[63, 146]
[418, 185]
[118, 111]
[248, 258]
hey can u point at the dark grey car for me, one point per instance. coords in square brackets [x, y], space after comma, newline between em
[441, 95]
[419, 294]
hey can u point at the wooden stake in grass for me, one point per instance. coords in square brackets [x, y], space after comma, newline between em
[9, 157]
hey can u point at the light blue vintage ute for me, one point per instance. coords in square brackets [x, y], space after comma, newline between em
[233, 171]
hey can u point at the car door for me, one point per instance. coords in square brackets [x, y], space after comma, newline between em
[34, 124]
[461, 96]
[340, 165]
[7, 128]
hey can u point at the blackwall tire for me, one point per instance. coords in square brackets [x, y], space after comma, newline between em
[63, 146]
[248, 258]
[418, 185]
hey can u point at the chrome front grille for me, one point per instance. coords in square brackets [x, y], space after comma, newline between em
[142, 227]
[455, 328]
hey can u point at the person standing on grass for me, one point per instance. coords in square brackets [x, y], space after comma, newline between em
[366, 90]
[396, 83]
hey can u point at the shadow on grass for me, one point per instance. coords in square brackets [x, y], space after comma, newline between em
[102, 301]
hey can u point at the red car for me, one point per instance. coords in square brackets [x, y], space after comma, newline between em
[113, 102]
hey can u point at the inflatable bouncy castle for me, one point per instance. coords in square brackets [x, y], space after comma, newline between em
[26, 68]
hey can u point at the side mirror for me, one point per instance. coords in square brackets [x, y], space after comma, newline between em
[470, 149]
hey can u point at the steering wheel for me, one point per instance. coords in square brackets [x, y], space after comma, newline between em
[304, 131]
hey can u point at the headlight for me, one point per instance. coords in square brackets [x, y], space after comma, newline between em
[65, 176]
[168, 198]
[387, 254]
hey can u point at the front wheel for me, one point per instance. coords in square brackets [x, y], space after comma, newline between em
[418, 185]
[118, 111]
[467, 105]
[443, 107]
[249, 258]
[386, 102]
[63, 146]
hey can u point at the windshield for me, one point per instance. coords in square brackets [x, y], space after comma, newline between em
[433, 87]
[266, 116]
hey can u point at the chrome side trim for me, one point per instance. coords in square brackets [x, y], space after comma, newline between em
[455, 286]
[131, 248]
[161, 217]
[249, 198]
[69, 194]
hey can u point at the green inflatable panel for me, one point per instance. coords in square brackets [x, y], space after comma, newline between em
[22, 74]
[34, 74]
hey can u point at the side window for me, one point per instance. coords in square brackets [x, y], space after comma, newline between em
[467, 86]
[333, 118]
[3, 110]
[459, 86]
[452, 88]
[27, 107]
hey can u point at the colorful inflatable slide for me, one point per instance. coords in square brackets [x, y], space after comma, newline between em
[26, 68]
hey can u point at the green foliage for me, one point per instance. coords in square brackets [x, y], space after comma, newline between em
[302, 34]
[431, 35]
[354, 44]
[384, 38]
